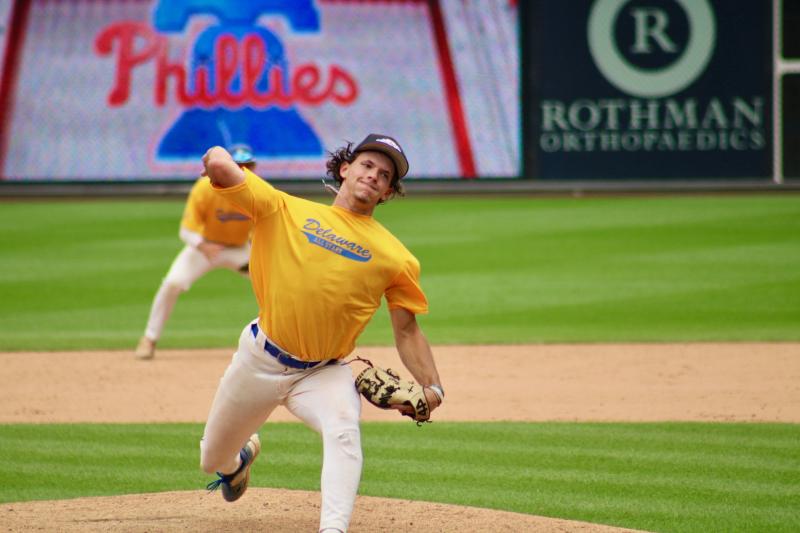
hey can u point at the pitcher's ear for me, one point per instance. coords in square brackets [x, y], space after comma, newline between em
[343, 168]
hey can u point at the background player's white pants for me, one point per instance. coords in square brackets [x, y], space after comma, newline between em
[323, 397]
[189, 266]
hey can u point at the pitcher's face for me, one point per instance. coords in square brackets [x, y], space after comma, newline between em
[368, 179]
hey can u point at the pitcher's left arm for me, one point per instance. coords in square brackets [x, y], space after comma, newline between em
[416, 354]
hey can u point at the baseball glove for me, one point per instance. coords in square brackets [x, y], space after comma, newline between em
[384, 389]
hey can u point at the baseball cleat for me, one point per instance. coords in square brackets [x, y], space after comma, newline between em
[234, 485]
[146, 349]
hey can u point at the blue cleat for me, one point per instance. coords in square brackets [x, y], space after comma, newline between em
[234, 485]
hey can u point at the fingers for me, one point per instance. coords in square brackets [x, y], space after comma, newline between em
[405, 409]
[207, 157]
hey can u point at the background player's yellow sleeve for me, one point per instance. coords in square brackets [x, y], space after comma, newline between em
[194, 212]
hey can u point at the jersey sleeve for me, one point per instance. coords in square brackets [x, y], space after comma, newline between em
[254, 196]
[405, 291]
[193, 213]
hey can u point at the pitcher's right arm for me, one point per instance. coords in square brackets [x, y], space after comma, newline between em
[221, 168]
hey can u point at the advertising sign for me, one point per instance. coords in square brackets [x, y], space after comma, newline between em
[121, 90]
[639, 89]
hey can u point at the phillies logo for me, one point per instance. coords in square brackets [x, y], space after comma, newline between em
[233, 80]
[238, 86]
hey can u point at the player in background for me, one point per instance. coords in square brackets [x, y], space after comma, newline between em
[319, 273]
[217, 235]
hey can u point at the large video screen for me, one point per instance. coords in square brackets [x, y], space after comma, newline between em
[139, 90]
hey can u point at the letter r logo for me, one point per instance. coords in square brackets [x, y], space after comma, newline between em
[650, 26]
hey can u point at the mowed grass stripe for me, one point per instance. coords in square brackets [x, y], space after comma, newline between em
[597, 475]
[495, 270]
[660, 477]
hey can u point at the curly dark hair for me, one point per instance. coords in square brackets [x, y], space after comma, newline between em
[345, 154]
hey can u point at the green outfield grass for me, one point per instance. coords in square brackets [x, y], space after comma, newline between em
[502, 270]
[81, 275]
[657, 477]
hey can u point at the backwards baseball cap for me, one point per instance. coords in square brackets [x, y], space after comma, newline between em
[375, 142]
[241, 154]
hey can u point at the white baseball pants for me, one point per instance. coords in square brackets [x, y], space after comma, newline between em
[323, 397]
[189, 266]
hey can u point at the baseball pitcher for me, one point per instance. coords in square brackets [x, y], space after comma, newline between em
[216, 234]
[319, 273]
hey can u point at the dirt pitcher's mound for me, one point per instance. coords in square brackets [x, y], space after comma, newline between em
[277, 511]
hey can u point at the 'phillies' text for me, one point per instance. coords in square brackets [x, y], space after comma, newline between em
[246, 58]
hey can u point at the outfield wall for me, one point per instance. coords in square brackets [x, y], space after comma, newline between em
[537, 95]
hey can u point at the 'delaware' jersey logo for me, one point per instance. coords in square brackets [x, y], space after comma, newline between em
[326, 238]
[229, 216]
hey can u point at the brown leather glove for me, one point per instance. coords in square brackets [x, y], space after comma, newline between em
[384, 389]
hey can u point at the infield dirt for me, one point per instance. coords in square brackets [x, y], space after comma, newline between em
[633, 382]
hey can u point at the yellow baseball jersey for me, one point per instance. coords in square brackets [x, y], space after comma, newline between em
[319, 271]
[214, 217]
